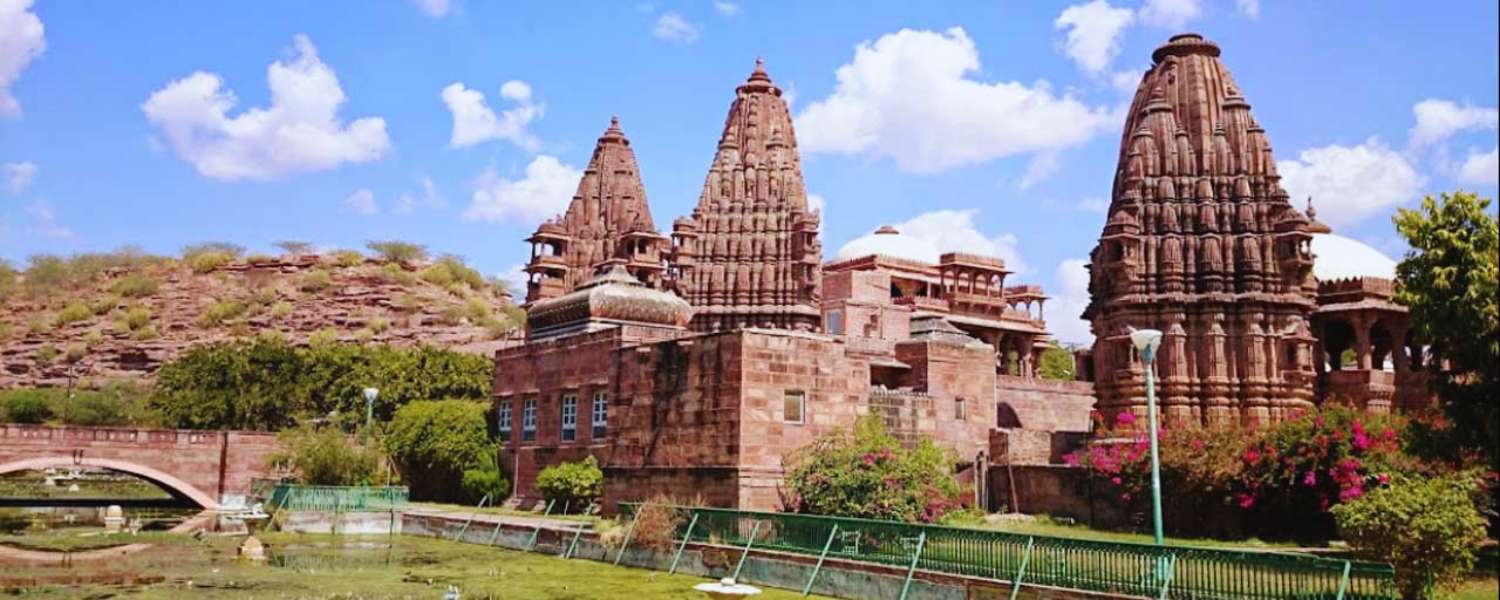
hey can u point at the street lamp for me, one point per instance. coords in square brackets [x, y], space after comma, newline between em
[370, 395]
[1146, 341]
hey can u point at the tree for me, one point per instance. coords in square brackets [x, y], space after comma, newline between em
[327, 456]
[295, 247]
[1448, 279]
[435, 441]
[398, 251]
[1057, 364]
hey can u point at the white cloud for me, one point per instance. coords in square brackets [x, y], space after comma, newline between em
[1093, 33]
[436, 9]
[1069, 301]
[1482, 168]
[299, 132]
[672, 27]
[1348, 183]
[544, 192]
[18, 176]
[407, 203]
[44, 222]
[907, 96]
[474, 122]
[1042, 166]
[954, 231]
[515, 277]
[1093, 204]
[1437, 120]
[1126, 81]
[22, 39]
[362, 203]
[1169, 14]
[726, 9]
[1249, 8]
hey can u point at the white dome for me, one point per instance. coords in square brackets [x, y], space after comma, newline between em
[1338, 257]
[886, 241]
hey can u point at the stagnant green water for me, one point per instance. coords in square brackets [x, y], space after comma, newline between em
[317, 566]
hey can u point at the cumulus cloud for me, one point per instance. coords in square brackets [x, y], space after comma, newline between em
[1170, 14]
[909, 96]
[545, 191]
[673, 27]
[1068, 302]
[22, 39]
[44, 222]
[1482, 168]
[1249, 8]
[1349, 183]
[474, 122]
[300, 131]
[954, 231]
[726, 9]
[1041, 167]
[362, 203]
[18, 176]
[436, 9]
[1094, 29]
[1438, 120]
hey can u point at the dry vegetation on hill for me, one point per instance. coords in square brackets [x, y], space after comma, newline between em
[119, 315]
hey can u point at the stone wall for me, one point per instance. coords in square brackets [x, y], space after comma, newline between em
[1045, 405]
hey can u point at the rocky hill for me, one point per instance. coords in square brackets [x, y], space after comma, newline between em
[96, 318]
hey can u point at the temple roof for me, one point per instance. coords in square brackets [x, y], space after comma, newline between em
[611, 296]
[1339, 257]
[887, 241]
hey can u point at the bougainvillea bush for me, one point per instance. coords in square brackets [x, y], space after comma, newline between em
[1271, 481]
[866, 473]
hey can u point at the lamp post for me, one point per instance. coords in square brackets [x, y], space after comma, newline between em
[370, 395]
[1146, 341]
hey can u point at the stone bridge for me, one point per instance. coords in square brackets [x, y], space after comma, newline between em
[204, 467]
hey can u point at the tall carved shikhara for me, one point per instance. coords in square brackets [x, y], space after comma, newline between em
[749, 255]
[608, 221]
[1202, 244]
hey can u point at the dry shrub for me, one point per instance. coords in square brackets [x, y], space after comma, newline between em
[658, 521]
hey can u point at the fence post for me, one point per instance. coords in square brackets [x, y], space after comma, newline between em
[921, 543]
[630, 532]
[535, 532]
[1171, 572]
[1343, 582]
[1015, 586]
[494, 535]
[683, 546]
[753, 531]
[807, 589]
[577, 533]
[465, 528]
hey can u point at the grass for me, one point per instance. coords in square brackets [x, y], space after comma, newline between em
[1049, 527]
[375, 567]
[500, 510]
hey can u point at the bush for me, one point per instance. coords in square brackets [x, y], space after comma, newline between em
[1057, 364]
[393, 273]
[135, 285]
[26, 406]
[219, 312]
[487, 478]
[574, 484]
[73, 313]
[316, 280]
[282, 309]
[398, 251]
[136, 318]
[866, 473]
[94, 409]
[204, 262]
[348, 258]
[433, 443]
[102, 305]
[328, 457]
[1428, 528]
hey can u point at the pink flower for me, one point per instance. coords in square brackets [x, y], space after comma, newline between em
[1361, 442]
[1383, 478]
[1251, 455]
[1115, 480]
[1351, 493]
[1246, 501]
[1310, 479]
[1125, 418]
[1070, 459]
[1198, 445]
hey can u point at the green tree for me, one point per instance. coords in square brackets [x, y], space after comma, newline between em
[398, 251]
[1449, 281]
[328, 456]
[434, 441]
[1428, 528]
[867, 473]
[26, 406]
[1057, 364]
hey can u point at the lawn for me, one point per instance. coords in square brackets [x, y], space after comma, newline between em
[373, 567]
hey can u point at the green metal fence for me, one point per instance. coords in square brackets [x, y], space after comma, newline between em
[1112, 567]
[337, 498]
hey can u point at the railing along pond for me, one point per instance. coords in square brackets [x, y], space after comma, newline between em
[1112, 567]
[293, 496]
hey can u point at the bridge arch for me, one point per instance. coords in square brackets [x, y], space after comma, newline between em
[158, 477]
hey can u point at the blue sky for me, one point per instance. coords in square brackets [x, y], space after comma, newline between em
[991, 126]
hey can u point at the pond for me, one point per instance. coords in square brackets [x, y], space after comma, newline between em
[205, 565]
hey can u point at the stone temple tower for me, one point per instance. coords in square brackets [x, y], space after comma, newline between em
[608, 221]
[1201, 243]
[749, 254]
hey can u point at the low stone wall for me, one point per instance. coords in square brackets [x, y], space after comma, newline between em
[351, 523]
[1056, 490]
[838, 578]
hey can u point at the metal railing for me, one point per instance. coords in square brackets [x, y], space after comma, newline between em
[292, 496]
[1111, 567]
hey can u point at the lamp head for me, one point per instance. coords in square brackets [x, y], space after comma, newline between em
[371, 394]
[1145, 340]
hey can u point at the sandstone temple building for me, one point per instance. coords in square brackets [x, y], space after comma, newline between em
[691, 363]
